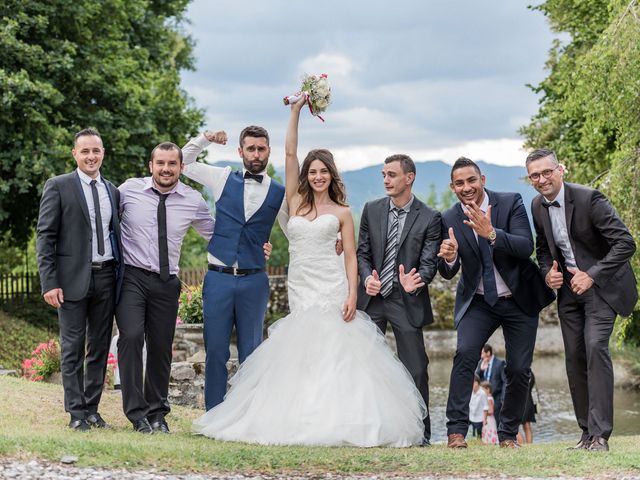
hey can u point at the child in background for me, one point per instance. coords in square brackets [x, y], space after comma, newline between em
[477, 407]
[489, 428]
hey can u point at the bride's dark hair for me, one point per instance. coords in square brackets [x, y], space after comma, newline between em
[336, 187]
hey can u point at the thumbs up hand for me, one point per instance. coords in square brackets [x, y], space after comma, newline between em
[373, 284]
[449, 247]
[554, 276]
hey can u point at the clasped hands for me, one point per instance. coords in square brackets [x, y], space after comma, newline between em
[580, 282]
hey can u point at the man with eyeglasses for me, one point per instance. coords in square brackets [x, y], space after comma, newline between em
[583, 249]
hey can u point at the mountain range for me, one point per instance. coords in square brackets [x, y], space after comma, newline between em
[432, 181]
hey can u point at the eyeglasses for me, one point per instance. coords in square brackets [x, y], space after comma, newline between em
[534, 177]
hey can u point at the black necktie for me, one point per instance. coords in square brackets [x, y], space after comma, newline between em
[163, 246]
[551, 204]
[256, 177]
[488, 274]
[98, 217]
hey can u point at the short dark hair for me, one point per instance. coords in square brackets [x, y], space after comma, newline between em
[539, 153]
[254, 131]
[166, 146]
[486, 384]
[407, 165]
[86, 132]
[464, 162]
[487, 348]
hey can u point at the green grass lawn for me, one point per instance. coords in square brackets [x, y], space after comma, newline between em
[33, 424]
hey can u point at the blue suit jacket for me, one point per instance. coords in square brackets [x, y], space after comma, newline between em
[511, 255]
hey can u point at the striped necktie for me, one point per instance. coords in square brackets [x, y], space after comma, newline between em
[389, 264]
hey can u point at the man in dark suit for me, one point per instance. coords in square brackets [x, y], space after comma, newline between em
[78, 248]
[491, 369]
[397, 248]
[489, 236]
[583, 249]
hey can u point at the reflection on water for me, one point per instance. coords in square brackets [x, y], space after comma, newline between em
[555, 418]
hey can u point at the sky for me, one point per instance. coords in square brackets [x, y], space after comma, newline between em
[433, 79]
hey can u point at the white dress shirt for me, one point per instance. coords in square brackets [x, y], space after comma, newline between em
[559, 229]
[105, 213]
[215, 178]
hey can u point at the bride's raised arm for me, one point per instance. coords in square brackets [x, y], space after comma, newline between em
[292, 168]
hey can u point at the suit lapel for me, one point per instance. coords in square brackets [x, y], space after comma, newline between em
[82, 201]
[568, 211]
[467, 232]
[414, 211]
[545, 220]
[383, 215]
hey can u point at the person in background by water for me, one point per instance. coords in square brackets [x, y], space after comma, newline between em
[489, 427]
[529, 416]
[477, 407]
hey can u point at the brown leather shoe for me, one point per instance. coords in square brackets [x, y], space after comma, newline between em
[456, 440]
[583, 444]
[510, 443]
[599, 444]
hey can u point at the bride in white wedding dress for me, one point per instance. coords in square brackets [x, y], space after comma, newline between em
[325, 375]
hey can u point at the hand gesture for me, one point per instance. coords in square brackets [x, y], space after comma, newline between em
[581, 281]
[54, 297]
[268, 248]
[449, 247]
[299, 103]
[373, 284]
[410, 281]
[216, 137]
[480, 222]
[349, 309]
[554, 277]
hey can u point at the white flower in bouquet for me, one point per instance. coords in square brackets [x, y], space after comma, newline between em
[318, 93]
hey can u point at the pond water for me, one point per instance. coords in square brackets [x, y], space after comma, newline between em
[555, 418]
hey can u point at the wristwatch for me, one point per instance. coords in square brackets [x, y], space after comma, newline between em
[492, 237]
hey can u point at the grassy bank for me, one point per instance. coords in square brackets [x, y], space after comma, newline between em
[33, 424]
[18, 338]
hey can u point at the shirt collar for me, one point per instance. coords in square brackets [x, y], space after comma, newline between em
[263, 172]
[485, 202]
[179, 188]
[86, 178]
[406, 208]
[559, 198]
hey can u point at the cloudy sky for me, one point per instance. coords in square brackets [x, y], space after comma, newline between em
[434, 79]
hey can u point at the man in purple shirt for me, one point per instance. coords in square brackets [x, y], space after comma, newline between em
[156, 213]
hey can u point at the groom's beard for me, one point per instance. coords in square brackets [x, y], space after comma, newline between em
[255, 166]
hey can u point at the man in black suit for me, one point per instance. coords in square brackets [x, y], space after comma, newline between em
[489, 236]
[491, 369]
[583, 249]
[78, 248]
[397, 248]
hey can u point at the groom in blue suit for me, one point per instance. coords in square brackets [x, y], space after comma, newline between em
[236, 287]
[488, 235]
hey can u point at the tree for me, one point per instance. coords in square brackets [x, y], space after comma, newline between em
[590, 107]
[69, 64]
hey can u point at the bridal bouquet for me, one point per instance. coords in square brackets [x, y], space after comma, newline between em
[318, 92]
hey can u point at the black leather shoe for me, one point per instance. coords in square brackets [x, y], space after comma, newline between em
[599, 444]
[79, 425]
[142, 426]
[160, 426]
[425, 443]
[96, 421]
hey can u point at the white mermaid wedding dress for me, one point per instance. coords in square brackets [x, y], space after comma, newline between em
[318, 380]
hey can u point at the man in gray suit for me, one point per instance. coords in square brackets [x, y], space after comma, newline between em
[583, 249]
[397, 258]
[78, 249]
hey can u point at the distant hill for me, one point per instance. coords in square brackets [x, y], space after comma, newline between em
[431, 176]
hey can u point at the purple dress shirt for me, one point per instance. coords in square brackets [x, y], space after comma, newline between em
[139, 222]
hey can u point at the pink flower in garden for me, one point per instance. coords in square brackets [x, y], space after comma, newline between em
[179, 321]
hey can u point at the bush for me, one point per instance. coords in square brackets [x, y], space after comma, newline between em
[45, 360]
[190, 306]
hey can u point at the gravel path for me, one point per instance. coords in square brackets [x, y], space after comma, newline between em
[38, 470]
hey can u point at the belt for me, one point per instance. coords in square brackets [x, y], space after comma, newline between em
[480, 296]
[236, 272]
[148, 272]
[101, 265]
